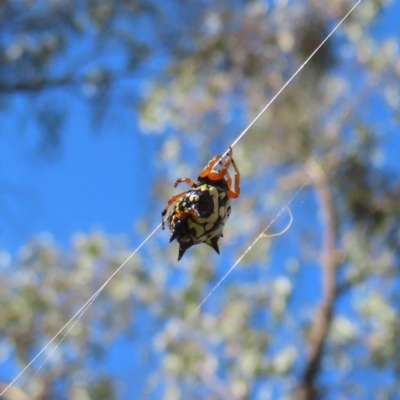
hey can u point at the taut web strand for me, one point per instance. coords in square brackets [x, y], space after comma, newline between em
[84, 308]
[294, 75]
[260, 236]
[81, 311]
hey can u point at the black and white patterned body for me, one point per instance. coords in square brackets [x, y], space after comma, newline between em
[200, 215]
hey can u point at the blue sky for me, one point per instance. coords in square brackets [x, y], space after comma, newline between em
[79, 191]
[104, 178]
[100, 181]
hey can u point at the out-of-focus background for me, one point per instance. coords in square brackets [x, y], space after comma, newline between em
[103, 104]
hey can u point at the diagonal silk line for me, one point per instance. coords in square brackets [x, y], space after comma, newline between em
[71, 326]
[293, 76]
[260, 236]
[84, 308]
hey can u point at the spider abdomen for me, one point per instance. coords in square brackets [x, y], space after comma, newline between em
[199, 217]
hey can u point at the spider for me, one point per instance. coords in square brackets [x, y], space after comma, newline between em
[199, 215]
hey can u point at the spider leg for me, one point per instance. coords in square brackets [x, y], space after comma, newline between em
[191, 212]
[186, 180]
[207, 170]
[171, 201]
[228, 179]
[234, 194]
[216, 176]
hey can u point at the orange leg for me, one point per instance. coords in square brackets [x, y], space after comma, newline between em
[215, 176]
[191, 212]
[207, 170]
[187, 180]
[228, 179]
[171, 201]
[236, 193]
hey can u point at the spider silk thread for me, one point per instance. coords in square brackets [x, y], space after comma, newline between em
[85, 307]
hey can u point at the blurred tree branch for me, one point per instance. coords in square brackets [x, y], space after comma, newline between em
[320, 327]
[36, 85]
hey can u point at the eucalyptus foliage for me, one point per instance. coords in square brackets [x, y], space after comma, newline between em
[311, 314]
